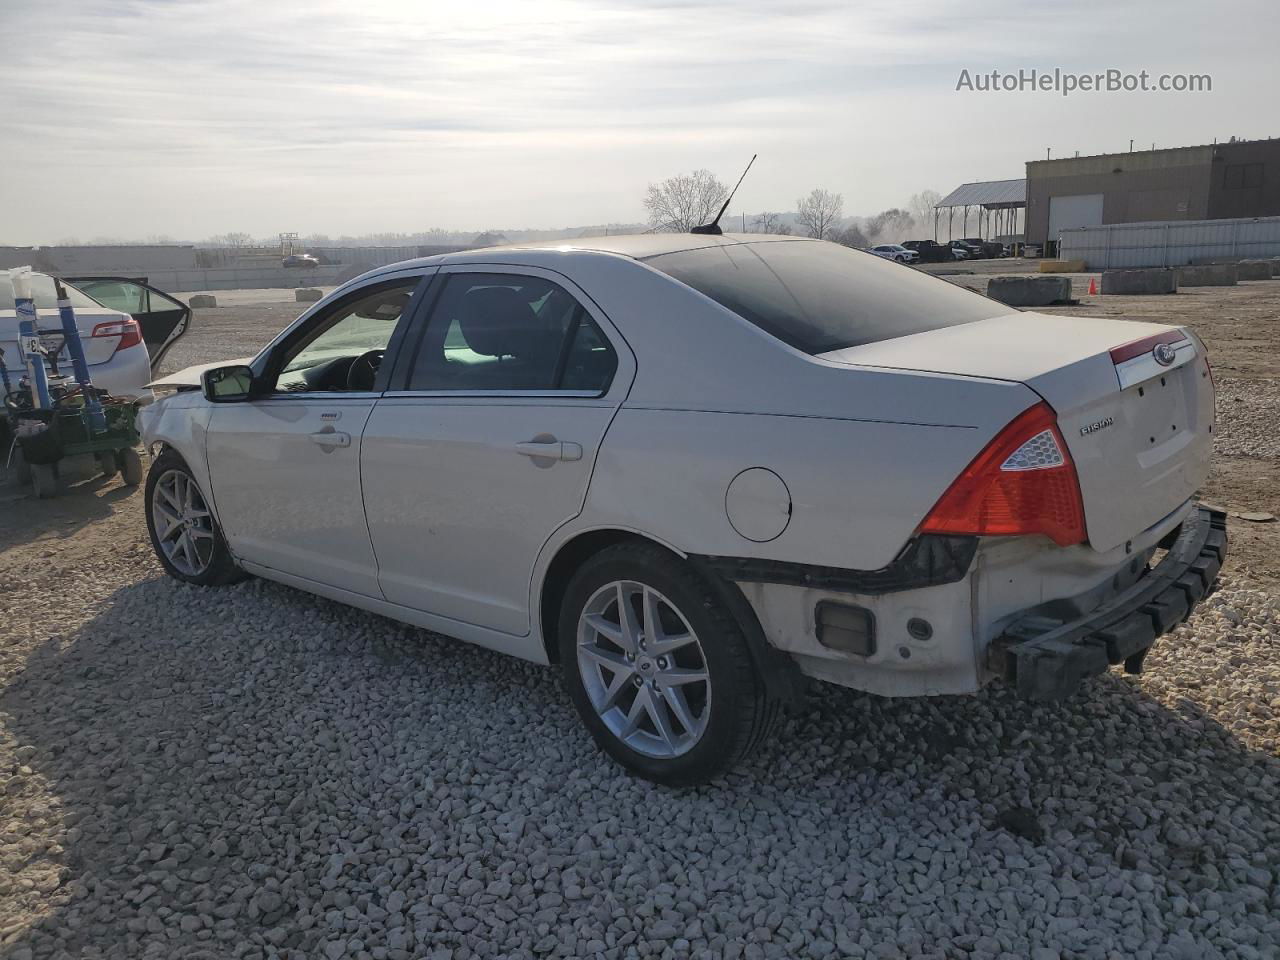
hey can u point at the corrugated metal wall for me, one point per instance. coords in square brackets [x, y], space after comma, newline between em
[1171, 244]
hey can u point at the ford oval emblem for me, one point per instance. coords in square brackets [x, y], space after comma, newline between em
[1164, 354]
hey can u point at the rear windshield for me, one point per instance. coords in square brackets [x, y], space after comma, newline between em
[821, 296]
[43, 293]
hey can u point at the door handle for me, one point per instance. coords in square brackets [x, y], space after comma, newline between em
[551, 449]
[331, 438]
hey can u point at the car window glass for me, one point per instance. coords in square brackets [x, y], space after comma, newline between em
[819, 297]
[125, 297]
[345, 350]
[43, 293]
[500, 332]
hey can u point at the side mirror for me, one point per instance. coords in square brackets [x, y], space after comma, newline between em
[232, 384]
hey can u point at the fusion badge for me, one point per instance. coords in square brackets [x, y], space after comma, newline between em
[1097, 425]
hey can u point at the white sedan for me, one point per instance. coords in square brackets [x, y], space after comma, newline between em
[125, 327]
[895, 251]
[695, 471]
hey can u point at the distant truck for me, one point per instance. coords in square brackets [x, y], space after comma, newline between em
[930, 251]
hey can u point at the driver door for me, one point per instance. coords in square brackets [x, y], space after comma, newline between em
[284, 466]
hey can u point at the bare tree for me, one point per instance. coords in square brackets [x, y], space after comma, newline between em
[819, 211]
[680, 203]
[767, 222]
[850, 236]
[887, 224]
[230, 240]
[921, 206]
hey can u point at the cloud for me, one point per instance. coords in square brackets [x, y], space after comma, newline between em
[238, 111]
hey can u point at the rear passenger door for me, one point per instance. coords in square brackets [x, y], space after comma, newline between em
[485, 443]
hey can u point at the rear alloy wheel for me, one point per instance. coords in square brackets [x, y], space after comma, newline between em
[643, 669]
[658, 668]
[183, 531]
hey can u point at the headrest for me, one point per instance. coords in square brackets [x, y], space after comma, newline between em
[496, 322]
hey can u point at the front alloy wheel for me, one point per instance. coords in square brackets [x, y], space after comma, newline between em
[183, 523]
[183, 530]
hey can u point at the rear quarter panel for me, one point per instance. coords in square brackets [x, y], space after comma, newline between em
[858, 489]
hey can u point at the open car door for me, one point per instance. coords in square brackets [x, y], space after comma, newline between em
[160, 317]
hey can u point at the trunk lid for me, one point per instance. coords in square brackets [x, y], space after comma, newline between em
[1139, 429]
[96, 349]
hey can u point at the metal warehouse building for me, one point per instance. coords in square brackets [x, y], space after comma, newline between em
[1211, 182]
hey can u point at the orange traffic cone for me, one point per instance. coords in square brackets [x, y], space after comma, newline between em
[1093, 286]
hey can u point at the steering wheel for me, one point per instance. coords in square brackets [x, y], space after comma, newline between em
[364, 370]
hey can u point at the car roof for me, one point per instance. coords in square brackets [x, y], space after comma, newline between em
[635, 246]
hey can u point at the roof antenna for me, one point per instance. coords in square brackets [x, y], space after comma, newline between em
[713, 227]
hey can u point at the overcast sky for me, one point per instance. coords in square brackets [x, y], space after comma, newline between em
[130, 118]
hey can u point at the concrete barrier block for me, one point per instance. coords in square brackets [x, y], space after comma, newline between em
[1062, 266]
[202, 300]
[1254, 270]
[1208, 275]
[307, 295]
[1030, 291]
[1139, 282]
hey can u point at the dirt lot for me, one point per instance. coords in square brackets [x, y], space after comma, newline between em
[252, 772]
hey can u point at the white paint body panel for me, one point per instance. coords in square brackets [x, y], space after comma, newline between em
[285, 501]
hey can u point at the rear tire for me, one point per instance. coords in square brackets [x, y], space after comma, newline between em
[683, 701]
[130, 463]
[177, 508]
[44, 480]
[107, 464]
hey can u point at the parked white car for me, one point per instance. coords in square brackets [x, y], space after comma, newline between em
[125, 327]
[895, 251]
[695, 470]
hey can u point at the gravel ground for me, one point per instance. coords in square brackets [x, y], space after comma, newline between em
[1248, 418]
[253, 772]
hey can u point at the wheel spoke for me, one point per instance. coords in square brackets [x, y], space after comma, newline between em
[607, 629]
[189, 551]
[627, 620]
[680, 707]
[614, 661]
[199, 533]
[168, 491]
[621, 680]
[678, 676]
[656, 707]
[171, 521]
[673, 642]
[635, 714]
[652, 621]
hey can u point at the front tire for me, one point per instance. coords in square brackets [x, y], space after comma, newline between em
[658, 667]
[184, 533]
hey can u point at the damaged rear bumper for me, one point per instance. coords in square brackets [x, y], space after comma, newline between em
[1046, 661]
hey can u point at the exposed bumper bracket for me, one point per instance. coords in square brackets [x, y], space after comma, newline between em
[1046, 661]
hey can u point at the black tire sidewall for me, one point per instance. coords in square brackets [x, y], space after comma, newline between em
[222, 566]
[733, 679]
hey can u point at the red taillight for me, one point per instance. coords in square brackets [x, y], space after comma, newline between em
[1022, 482]
[126, 330]
[1136, 348]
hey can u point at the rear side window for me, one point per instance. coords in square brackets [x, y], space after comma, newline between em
[819, 297]
[43, 293]
[508, 332]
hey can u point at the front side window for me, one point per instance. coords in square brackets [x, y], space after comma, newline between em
[507, 332]
[819, 297]
[344, 350]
